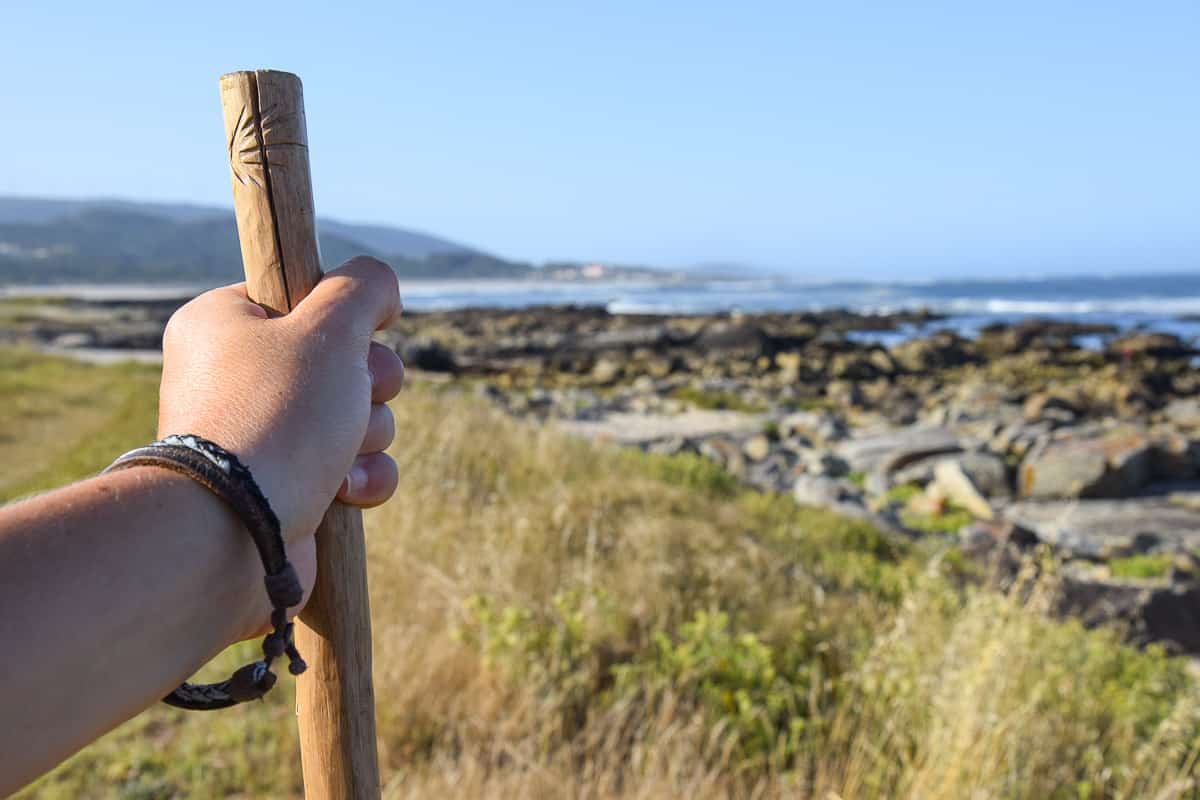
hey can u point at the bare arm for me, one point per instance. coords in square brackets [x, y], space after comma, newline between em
[116, 589]
[112, 591]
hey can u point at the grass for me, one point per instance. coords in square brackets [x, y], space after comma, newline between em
[951, 519]
[60, 419]
[1141, 566]
[712, 400]
[557, 619]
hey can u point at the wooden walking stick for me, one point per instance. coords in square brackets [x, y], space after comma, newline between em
[272, 199]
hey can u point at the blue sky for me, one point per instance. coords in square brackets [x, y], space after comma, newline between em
[828, 140]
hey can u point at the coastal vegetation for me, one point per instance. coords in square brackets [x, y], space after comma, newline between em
[555, 617]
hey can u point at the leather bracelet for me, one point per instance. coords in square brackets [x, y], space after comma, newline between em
[220, 471]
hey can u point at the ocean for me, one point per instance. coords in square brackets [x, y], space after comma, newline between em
[1168, 303]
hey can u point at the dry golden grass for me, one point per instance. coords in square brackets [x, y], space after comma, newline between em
[556, 619]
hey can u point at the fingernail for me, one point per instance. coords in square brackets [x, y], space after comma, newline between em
[356, 480]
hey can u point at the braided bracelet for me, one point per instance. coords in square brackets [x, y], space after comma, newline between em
[224, 475]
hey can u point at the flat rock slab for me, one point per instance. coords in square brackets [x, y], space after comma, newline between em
[896, 449]
[637, 429]
[97, 355]
[1110, 528]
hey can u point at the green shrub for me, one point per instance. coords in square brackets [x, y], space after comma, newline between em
[757, 692]
[689, 470]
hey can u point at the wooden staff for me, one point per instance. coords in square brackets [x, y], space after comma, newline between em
[272, 199]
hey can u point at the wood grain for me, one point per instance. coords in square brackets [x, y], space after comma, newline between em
[272, 196]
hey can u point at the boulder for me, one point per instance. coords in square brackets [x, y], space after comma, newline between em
[818, 425]
[1044, 405]
[824, 492]
[939, 351]
[757, 448]
[987, 471]
[727, 454]
[882, 361]
[821, 462]
[606, 371]
[773, 474]
[954, 485]
[1184, 413]
[1114, 464]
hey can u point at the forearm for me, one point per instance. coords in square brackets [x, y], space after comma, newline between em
[112, 592]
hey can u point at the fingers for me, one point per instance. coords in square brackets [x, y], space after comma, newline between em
[387, 373]
[362, 294]
[372, 480]
[381, 429]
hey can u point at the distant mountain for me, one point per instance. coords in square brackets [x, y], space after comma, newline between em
[57, 241]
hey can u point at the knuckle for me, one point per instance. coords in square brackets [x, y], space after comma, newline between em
[369, 266]
[177, 323]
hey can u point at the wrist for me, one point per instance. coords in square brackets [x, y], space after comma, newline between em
[228, 598]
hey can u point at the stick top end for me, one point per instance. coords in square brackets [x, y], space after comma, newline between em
[241, 76]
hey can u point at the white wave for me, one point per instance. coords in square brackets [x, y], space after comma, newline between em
[1133, 305]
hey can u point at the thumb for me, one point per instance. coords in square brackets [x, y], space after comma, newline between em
[362, 294]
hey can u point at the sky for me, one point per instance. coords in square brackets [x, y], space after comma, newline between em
[825, 140]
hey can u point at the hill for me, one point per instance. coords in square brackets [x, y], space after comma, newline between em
[57, 241]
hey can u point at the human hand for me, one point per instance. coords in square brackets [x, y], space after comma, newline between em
[299, 399]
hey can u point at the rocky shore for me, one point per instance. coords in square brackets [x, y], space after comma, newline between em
[1019, 437]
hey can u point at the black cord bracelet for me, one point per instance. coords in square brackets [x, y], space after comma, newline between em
[224, 475]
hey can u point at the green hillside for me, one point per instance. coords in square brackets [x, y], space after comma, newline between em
[48, 241]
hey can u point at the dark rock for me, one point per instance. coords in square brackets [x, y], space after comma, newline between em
[983, 538]
[820, 462]
[739, 336]
[939, 351]
[429, 355]
[1165, 614]
[1153, 345]
[1174, 457]
[853, 366]
[129, 336]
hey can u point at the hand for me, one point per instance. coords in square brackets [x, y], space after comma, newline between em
[299, 399]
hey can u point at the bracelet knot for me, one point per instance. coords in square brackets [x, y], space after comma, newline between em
[228, 478]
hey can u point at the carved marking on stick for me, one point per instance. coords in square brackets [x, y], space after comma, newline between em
[249, 145]
[245, 141]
